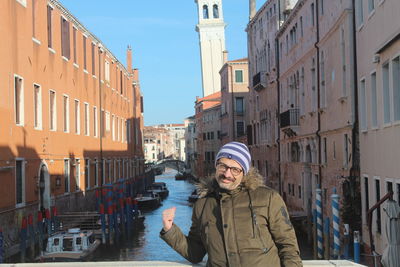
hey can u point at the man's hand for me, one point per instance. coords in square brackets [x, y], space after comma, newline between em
[168, 218]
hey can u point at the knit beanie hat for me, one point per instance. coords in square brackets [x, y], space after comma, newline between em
[236, 151]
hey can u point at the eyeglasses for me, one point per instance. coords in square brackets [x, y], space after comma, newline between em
[221, 167]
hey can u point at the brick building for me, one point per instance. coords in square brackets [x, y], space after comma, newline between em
[71, 113]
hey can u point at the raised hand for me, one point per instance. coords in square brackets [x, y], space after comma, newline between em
[168, 218]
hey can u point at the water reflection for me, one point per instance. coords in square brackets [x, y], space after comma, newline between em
[146, 244]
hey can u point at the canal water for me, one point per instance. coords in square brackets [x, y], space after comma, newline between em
[146, 245]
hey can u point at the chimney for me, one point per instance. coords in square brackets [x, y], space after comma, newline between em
[252, 9]
[225, 56]
[129, 59]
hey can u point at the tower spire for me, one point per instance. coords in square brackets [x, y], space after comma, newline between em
[211, 29]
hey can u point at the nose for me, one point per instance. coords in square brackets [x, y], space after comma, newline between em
[228, 172]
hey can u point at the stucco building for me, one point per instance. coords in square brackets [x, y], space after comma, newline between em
[208, 126]
[234, 94]
[71, 113]
[378, 72]
[262, 111]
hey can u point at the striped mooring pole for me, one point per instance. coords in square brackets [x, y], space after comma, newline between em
[336, 223]
[320, 244]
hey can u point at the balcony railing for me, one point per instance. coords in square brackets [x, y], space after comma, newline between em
[290, 118]
[260, 81]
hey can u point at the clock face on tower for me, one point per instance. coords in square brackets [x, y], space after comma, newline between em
[211, 29]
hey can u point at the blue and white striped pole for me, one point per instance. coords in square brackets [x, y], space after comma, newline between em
[356, 246]
[336, 223]
[318, 204]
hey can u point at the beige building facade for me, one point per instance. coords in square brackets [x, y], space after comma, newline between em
[378, 72]
[234, 94]
[318, 110]
[262, 102]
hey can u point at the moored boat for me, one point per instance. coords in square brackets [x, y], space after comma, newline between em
[72, 245]
[148, 201]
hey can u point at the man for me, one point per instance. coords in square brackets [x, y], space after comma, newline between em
[237, 221]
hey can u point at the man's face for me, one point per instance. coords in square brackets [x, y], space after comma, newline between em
[229, 174]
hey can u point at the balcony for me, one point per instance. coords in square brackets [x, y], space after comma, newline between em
[260, 81]
[289, 121]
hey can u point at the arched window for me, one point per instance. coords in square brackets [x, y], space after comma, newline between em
[205, 12]
[215, 11]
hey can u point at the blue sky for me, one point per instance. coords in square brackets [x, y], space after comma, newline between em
[165, 46]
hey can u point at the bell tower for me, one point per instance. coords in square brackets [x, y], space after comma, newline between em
[211, 29]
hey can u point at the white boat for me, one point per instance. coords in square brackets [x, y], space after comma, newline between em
[74, 245]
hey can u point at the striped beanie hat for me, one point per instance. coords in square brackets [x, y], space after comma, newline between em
[236, 151]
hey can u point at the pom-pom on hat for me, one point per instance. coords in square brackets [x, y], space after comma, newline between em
[236, 151]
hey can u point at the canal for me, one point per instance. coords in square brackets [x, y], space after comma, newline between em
[146, 244]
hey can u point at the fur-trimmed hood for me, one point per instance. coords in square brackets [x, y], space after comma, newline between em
[208, 185]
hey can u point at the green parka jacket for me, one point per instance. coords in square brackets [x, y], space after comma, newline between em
[247, 227]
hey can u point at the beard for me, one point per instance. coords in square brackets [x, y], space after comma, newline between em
[227, 183]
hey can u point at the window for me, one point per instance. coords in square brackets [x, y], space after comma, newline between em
[396, 88]
[205, 12]
[20, 181]
[374, 112]
[113, 126]
[363, 106]
[49, 26]
[87, 119]
[77, 174]
[96, 173]
[37, 112]
[66, 113]
[65, 43]
[321, 3]
[95, 122]
[53, 110]
[386, 93]
[239, 128]
[323, 88]
[66, 175]
[34, 17]
[93, 59]
[334, 150]
[360, 12]
[215, 12]
[343, 56]
[313, 88]
[301, 27]
[128, 131]
[302, 93]
[87, 173]
[324, 150]
[345, 151]
[19, 99]
[239, 105]
[378, 210]
[371, 5]
[366, 195]
[312, 14]
[238, 76]
[74, 32]
[77, 117]
[84, 52]
[107, 71]
[107, 118]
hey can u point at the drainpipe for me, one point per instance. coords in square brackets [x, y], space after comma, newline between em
[278, 140]
[101, 118]
[233, 103]
[355, 166]
[317, 133]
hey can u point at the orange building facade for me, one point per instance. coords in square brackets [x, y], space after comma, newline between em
[71, 113]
